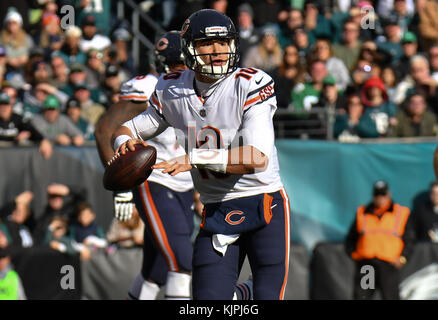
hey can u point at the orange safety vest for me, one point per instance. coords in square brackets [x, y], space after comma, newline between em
[381, 238]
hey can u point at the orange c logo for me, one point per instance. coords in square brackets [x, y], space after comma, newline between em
[162, 44]
[234, 222]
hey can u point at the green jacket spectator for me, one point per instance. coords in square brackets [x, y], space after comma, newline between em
[415, 120]
[377, 105]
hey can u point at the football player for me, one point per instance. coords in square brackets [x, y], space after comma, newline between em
[222, 115]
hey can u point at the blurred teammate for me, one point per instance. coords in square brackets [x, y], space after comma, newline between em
[223, 117]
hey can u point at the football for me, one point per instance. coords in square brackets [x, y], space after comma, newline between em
[128, 170]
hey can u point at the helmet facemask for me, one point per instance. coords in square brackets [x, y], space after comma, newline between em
[210, 70]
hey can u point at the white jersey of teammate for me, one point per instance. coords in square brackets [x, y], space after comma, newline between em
[140, 89]
[241, 105]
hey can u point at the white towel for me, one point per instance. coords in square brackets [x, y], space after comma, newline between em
[221, 241]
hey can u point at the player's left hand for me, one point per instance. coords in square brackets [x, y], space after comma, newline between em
[123, 205]
[175, 165]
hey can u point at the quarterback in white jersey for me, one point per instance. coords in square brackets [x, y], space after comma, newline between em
[222, 115]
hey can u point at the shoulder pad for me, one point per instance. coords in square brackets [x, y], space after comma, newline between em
[139, 88]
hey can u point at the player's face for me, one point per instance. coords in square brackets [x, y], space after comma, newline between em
[213, 51]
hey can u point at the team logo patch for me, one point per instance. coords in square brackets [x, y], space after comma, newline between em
[234, 220]
[185, 27]
[162, 44]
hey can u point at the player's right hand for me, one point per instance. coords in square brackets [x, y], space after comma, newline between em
[123, 205]
[129, 145]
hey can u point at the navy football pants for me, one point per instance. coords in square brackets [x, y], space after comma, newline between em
[168, 222]
[267, 248]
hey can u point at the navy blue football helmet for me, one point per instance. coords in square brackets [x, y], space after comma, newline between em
[209, 24]
[168, 51]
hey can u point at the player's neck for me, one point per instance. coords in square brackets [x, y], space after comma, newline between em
[205, 79]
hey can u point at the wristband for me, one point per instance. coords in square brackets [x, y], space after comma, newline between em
[120, 140]
[213, 159]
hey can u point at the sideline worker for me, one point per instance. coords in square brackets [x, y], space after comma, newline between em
[380, 237]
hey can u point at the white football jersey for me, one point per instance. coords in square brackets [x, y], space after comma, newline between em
[140, 89]
[238, 112]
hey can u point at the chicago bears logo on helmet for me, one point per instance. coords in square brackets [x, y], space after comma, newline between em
[185, 26]
[162, 44]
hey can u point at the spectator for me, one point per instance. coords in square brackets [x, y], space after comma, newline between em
[368, 51]
[353, 125]
[287, 75]
[74, 113]
[219, 5]
[90, 110]
[100, 10]
[268, 54]
[381, 236]
[335, 67]
[50, 37]
[361, 73]
[90, 37]
[95, 68]
[349, 49]
[18, 220]
[294, 20]
[78, 79]
[433, 60]
[425, 217]
[11, 287]
[404, 16]
[70, 50]
[3, 64]
[15, 40]
[415, 120]
[331, 96]
[307, 94]
[301, 41]
[428, 23]
[86, 235]
[5, 238]
[127, 234]
[316, 24]
[57, 127]
[33, 100]
[13, 128]
[17, 104]
[245, 26]
[56, 236]
[61, 201]
[391, 42]
[119, 53]
[377, 105]
[77, 76]
[60, 71]
[111, 84]
[40, 73]
[419, 78]
[410, 48]
[390, 79]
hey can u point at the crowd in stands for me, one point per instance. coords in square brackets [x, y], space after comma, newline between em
[382, 52]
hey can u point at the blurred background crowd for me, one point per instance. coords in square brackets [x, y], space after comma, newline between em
[343, 70]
